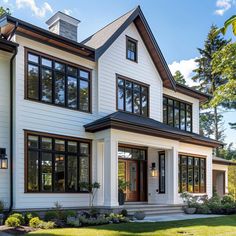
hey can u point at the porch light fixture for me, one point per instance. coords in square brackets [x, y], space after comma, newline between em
[3, 159]
[153, 170]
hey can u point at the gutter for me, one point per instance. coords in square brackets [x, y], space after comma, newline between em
[11, 129]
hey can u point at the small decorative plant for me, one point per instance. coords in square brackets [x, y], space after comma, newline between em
[92, 188]
[122, 185]
[139, 215]
[190, 201]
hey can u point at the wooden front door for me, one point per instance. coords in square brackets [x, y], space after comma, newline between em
[134, 172]
[132, 177]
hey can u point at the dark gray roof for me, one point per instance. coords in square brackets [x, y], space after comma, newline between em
[134, 123]
[222, 161]
[99, 38]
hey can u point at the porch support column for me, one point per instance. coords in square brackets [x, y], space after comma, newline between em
[110, 171]
[173, 175]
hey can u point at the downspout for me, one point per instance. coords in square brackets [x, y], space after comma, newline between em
[11, 128]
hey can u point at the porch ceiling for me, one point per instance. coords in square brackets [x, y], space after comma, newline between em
[142, 125]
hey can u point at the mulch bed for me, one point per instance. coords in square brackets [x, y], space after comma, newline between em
[16, 231]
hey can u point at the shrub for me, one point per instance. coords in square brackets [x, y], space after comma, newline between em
[29, 216]
[203, 209]
[94, 212]
[124, 212]
[71, 213]
[227, 199]
[40, 224]
[20, 217]
[117, 218]
[12, 221]
[51, 215]
[93, 221]
[35, 222]
[1, 207]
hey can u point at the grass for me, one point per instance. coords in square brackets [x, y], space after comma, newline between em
[225, 225]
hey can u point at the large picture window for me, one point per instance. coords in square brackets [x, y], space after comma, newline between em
[55, 82]
[192, 174]
[177, 114]
[132, 96]
[56, 164]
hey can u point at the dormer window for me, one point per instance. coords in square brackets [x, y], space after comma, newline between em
[131, 49]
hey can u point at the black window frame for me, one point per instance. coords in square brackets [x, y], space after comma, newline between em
[39, 150]
[162, 182]
[66, 75]
[167, 106]
[135, 42]
[200, 169]
[142, 94]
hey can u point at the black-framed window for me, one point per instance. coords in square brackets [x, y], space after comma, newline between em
[54, 82]
[177, 114]
[56, 164]
[131, 49]
[132, 97]
[162, 173]
[192, 174]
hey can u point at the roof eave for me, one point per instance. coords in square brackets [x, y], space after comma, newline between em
[121, 125]
[90, 52]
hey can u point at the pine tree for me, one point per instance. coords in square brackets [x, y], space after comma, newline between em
[179, 77]
[209, 82]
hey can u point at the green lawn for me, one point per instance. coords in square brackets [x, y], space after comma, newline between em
[225, 225]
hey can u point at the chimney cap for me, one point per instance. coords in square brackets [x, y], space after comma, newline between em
[62, 16]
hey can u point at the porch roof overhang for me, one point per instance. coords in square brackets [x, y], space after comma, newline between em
[222, 161]
[133, 123]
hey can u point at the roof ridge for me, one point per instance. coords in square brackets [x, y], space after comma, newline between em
[88, 38]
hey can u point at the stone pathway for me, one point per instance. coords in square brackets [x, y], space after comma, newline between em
[173, 217]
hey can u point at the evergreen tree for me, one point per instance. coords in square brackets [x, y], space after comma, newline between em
[179, 77]
[208, 83]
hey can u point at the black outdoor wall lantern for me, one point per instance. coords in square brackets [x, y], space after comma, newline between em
[3, 159]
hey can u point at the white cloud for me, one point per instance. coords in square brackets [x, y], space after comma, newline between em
[223, 5]
[68, 11]
[38, 11]
[186, 67]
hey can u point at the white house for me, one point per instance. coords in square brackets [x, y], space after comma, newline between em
[101, 110]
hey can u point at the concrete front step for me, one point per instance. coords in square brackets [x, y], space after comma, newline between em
[154, 209]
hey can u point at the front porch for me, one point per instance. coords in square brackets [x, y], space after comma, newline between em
[146, 190]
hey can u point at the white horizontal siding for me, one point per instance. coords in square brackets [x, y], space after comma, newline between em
[42, 117]
[5, 123]
[193, 101]
[114, 61]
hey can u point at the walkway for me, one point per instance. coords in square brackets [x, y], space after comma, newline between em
[173, 217]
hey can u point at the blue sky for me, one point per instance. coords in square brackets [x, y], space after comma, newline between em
[180, 26]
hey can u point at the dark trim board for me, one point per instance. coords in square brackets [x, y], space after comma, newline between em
[132, 123]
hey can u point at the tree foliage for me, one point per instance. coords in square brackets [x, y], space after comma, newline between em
[4, 11]
[224, 62]
[211, 120]
[178, 76]
[230, 21]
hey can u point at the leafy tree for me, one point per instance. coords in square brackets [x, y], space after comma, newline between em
[4, 11]
[224, 62]
[179, 77]
[209, 82]
[230, 21]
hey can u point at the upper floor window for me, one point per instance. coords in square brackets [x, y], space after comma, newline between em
[131, 49]
[56, 164]
[177, 114]
[132, 96]
[55, 82]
